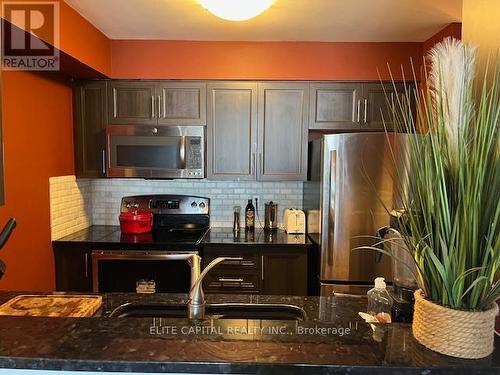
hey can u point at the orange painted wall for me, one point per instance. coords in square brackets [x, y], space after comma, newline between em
[259, 60]
[37, 127]
[481, 28]
[38, 144]
[453, 30]
[80, 39]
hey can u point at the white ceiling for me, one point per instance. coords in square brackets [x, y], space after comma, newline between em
[286, 20]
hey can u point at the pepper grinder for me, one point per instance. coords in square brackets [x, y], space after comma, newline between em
[236, 218]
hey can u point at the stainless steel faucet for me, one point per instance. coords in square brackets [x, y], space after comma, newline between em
[196, 299]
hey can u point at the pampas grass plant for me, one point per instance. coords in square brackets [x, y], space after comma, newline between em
[452, 207]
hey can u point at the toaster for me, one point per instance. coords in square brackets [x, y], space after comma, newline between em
[294, 221]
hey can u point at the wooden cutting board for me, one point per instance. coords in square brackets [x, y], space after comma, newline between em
[75, 306]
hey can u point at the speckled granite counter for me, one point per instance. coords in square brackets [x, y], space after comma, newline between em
[331, 341]
[110, 237]
[226, 236]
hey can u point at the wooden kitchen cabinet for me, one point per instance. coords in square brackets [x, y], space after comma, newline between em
[89, 123]
[284, 272]
[257, 131]
[232, 276]
[73, 268]
[231, 130]
[182, 103]
[283, 124]
[335, 106]
[157, 102]
[132, 102]
[352, 106]
[262, 270]
[377, 104]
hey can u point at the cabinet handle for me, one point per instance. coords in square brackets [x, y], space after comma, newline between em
[114, 103]
[86, 265]
[359, 109]
[262, 267]
[159, 106]
[230, 280]
[366, 106]
[104, 162]
[252, 164]
[153, 107]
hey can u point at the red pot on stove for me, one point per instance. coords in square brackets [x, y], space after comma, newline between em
[136, 222]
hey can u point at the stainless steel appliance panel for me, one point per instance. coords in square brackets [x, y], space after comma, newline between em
[357, 181]
[155, 152]
[119, 271]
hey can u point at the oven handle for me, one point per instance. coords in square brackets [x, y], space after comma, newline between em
[98, 255]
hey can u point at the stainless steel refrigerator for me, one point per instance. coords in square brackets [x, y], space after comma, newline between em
[351, 181]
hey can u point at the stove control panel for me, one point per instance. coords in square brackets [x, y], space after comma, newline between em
[167, 204]
[164, 204]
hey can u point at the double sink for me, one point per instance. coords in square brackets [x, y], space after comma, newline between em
[252, 311]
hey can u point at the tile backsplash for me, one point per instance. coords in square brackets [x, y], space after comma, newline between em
[107, 193]
[76, 204]
[70, 205]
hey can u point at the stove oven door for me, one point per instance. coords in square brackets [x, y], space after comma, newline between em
[139, 271]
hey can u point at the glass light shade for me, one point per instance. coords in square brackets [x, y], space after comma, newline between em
[236, 10]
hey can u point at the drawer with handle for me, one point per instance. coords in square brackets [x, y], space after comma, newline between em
[232, 281]
[250, 260]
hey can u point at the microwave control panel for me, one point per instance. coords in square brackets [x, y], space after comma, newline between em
[194, 157]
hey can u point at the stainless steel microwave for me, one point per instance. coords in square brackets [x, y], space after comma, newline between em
[155, 152]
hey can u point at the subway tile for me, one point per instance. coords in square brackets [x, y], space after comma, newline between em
[83, 202]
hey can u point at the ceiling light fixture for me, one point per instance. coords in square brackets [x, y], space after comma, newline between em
[236, 10]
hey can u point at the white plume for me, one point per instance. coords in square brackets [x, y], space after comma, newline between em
[450, 82]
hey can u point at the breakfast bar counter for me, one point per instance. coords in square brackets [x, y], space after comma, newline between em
[331, 340]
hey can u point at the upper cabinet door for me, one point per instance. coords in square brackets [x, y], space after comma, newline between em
[89, 121]
[132, 102]
[378, 103]
[231, 130]
[335, 106]
[182, 103]
[283, 113]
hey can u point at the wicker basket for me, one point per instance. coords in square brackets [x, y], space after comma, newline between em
[457, 333]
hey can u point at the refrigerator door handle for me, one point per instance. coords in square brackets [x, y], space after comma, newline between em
[331, 207]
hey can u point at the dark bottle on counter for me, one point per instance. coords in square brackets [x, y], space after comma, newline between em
[249, 216]
[249, 236]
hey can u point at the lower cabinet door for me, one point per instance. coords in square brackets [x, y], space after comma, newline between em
[73, 270]
[284, 272]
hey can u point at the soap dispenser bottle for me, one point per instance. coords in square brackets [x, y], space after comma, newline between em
[380, 301]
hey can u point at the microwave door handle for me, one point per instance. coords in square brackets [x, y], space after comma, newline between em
[182, 152]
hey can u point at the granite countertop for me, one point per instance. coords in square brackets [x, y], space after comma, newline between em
[332, 340]
[220, 236]
[110, 237]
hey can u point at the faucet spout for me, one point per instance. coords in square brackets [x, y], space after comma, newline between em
[196, 300]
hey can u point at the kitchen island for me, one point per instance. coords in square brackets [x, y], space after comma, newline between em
[331, 340]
